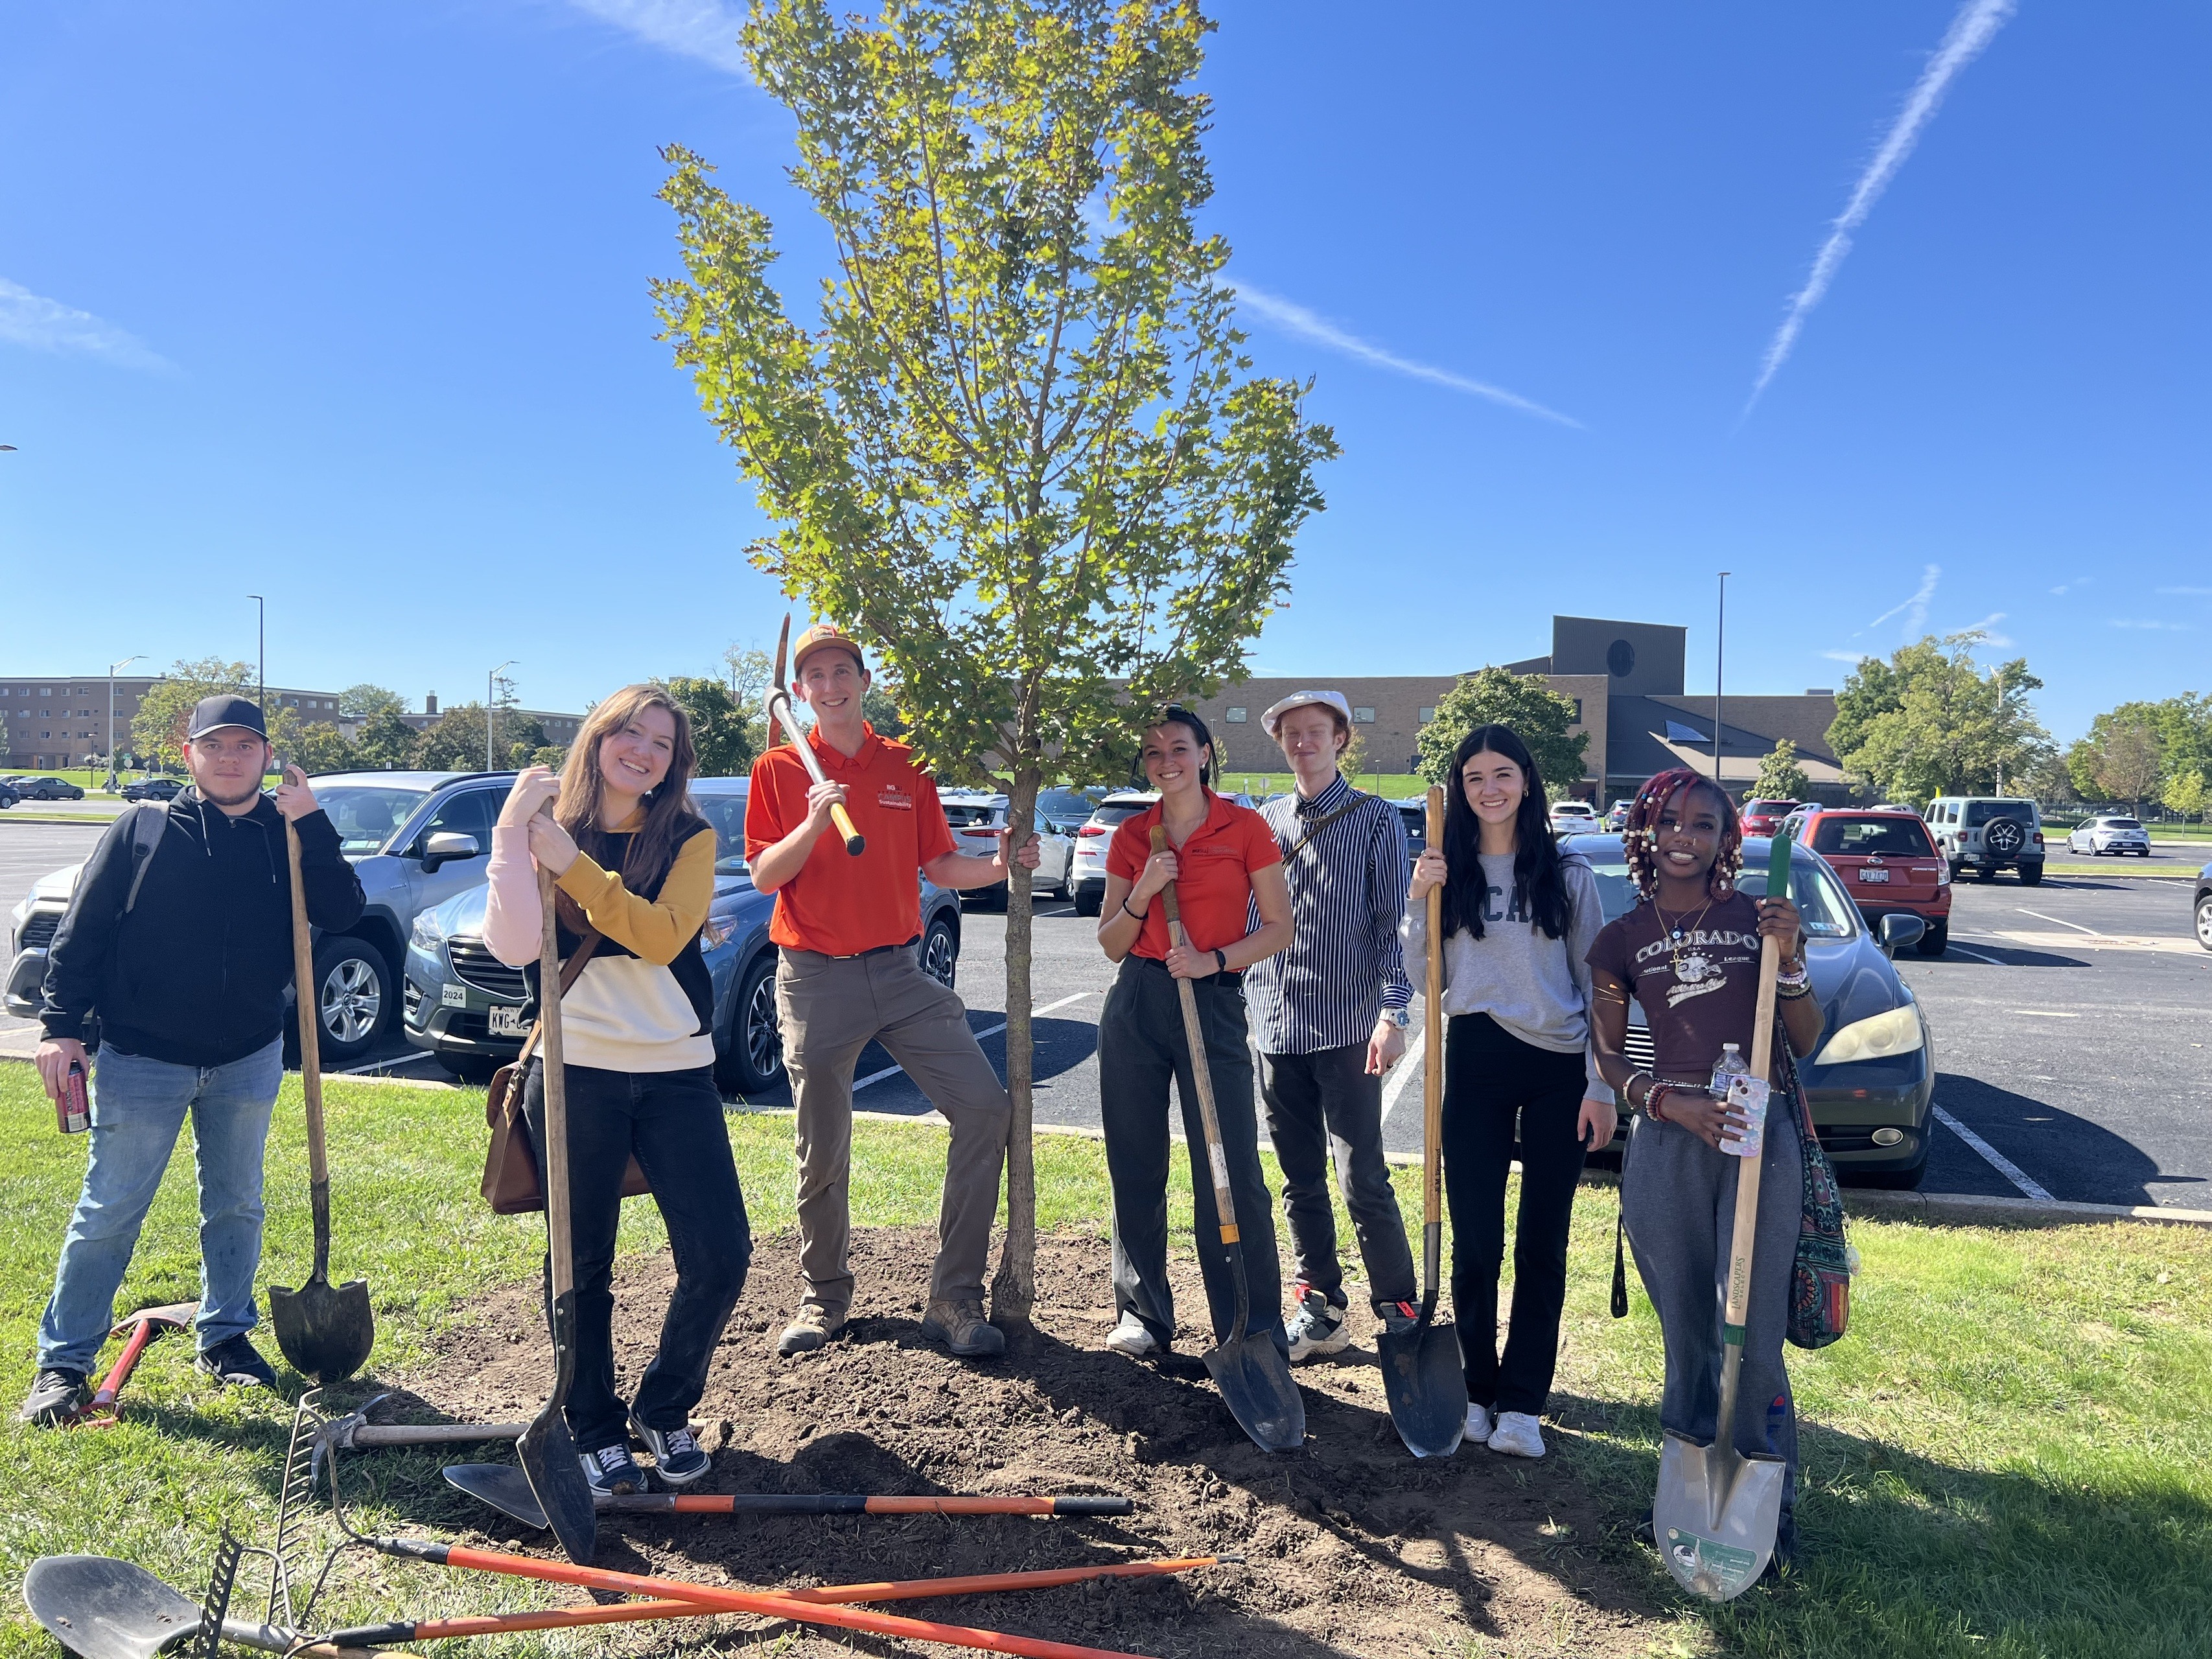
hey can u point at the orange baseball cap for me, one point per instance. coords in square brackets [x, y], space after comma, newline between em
[825, 633]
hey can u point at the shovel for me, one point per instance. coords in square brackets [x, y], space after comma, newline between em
[102, 1609]
[779, 714]
[1716, 1511]
[505, 1490]
[141, 1329]
[1249, 1369]
[1423, 1378]
[546, 1450]
[326, 1331]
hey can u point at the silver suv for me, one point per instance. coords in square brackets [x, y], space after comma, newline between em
[1985, 834]
[415, 838]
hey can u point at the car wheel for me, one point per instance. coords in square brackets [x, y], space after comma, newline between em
[1089, 901]
[2031, 875]
[750, 1061]
[1934, 942]
[2142, 852]
[2204, 921]
[940, 953]
[354, 998]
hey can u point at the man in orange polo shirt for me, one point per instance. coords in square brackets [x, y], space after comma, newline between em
[848, 974]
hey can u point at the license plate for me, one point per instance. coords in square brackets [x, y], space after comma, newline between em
[450, 995]
[1874, 875]
[502, 1021]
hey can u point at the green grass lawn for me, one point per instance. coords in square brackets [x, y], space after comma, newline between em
[1391, 786]
[2005, 1458]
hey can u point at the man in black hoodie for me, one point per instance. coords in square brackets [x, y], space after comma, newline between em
[180, 945]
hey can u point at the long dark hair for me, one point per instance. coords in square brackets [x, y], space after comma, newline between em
[1642, 833]
[1539, 889]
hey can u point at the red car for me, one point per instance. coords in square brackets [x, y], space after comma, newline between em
[1889, 867]
[1763, 817]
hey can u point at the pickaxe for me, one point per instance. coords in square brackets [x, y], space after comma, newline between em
[780, 714]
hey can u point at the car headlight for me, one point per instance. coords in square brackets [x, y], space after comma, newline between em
[427, 935]
[1878, 1037]
[715, 931]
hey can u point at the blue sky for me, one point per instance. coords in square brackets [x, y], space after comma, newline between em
[346, 305]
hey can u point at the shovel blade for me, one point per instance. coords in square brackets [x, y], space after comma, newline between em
[504, 1487]
[102, 1609]
[1254, 1380]
[1426, 1387]
[326, 1330]
[554, 1473]
[1715, 1515]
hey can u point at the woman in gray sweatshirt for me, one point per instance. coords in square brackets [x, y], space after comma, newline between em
[1519, 916]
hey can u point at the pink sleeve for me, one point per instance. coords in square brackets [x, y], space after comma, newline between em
[513, 918]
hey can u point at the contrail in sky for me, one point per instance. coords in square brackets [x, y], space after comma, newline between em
[1974, 28]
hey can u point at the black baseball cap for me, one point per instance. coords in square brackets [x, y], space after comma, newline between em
[211, 713]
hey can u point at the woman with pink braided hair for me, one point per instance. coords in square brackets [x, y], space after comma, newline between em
[1689, 955]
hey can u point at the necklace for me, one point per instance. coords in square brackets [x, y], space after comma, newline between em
[1678, 931]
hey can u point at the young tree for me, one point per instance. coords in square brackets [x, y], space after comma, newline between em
[1492, 697]
[721, 730]
[1780, 777]
[2185, 794]
[1024, 454]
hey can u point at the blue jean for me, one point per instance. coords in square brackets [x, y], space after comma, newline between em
[138, 1107]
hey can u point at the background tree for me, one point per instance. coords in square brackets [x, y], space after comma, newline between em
[1930, 722]
[456, 743]
[385, 742]
[317, 746]
[2185, 794]
[552, 754]
[748, 668]
[157, 730]
[720, 729]
[366, 702]
[2130, 759]
[1492, 697]
[2051, 780]
[880, 708]
[1023, 455]
[1352, 761]
[1780, 777]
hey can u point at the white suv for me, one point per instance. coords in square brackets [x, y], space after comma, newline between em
[1986, 834]
[1087, 875]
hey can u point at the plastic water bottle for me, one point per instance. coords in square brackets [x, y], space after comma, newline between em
[1734, 1084]
[1731, 1064]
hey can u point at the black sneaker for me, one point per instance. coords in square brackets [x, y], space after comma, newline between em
[235, 1363]
[54, 1397]
[677, 1457]
[611, 1470]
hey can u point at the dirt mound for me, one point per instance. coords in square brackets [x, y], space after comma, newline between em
[1350, 1546]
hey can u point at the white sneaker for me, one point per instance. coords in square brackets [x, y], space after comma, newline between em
[1130, 1337]
[1318, 1327]
[1517, 1435]
[1480, 1423]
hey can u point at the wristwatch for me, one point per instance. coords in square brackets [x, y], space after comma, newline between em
[1400, 1018]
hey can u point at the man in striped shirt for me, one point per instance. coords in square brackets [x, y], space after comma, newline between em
[1329, 1016]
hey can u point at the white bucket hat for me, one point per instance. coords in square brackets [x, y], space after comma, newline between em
[1273, 716]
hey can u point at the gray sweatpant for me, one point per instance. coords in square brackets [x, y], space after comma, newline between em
[1678, 1202]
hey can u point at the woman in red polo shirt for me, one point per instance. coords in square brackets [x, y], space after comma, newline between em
[1224, 861]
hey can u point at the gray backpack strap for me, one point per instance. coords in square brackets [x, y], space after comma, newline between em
[146, 832]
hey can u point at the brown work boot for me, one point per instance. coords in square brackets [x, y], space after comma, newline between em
[961, 1327]
[813, 1326]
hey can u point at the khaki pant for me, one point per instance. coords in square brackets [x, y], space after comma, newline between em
[830, 1008]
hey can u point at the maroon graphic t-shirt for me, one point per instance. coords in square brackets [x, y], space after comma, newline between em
[1714, 997]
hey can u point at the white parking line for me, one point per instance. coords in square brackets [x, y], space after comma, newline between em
[988, 1030]
[1954, 944]
[2076, 925]
[1996, 1159]
[1394, 1088]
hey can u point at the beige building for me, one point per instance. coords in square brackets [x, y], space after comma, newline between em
[53, 721]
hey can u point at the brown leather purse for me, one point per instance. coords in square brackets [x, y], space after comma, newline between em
[511, 1184]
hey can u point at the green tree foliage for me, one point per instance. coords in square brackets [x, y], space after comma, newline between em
[2132, 751]
[1930, 722]
[552, 754]
[1492, 697]
[316, 747]
[721, 730]
[1780, 777]
[1024, 454]
[385, 742]
[366, 702]
[157, 730]
[456, 743]
[2185, 794]
[881, 708]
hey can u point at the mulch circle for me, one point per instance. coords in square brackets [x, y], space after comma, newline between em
[1350, 1546]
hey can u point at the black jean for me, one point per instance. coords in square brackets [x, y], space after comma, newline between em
[672, 1122]
[1140, 1049]
[1492, 1078]
[1324, 1107]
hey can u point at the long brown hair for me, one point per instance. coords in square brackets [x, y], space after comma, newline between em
[669, 818]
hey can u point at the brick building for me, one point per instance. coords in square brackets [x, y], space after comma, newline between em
[53, 721]
[560, 729]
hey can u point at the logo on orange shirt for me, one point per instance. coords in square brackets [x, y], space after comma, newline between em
[895, 798]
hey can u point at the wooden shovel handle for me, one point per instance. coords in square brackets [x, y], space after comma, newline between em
[553, 1066]
[308, 1006]
[1194, 1036]
[1762, 1060]
[1432, 1034]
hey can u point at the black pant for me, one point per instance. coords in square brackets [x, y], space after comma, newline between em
[1491, 1078]
[1141, 1048]
[1324, 1103]
[673, 1121]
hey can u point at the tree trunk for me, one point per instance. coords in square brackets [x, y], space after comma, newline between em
[1013, 1289]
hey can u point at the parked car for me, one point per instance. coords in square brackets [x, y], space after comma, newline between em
[1985, 834]
[1414, 810]
[2204, 907]
[978, 819]
[2110, 833]
[1871, 1083]
[464, 1006]
[154, 789]
[415, 839]
[1575, 818]
[1616, 815]
[8, 796]
[34, 788]
[1088, 876]
[1764, 817]
[1887, 863]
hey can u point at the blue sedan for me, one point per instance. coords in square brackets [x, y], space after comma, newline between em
[464, 1006]
[1872, 1083]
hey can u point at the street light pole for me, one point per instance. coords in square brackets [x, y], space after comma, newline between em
[1720, 660]
[491, 680]
[112, 667]
[261, 664]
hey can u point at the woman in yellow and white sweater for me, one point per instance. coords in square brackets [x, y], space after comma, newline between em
[634, 864]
